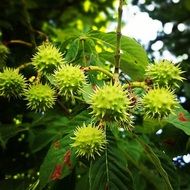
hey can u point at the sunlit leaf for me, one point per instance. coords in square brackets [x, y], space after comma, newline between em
[72, 50]
[133, 57]
[181, 120]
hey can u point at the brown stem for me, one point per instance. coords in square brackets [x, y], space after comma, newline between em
[19, 42]
[118, 40]
[65, 110]
[42, 34]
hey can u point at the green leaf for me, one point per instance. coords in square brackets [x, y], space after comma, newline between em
[72, 51]
[149, 126]
[51, 119]
[133, 58]
[133, 148]
[45, 129]
[87, 90]
[140, 171]
[156, 162]
[139, 182]
[169, 168]
[88, 55]
[60, 157]
[181, 120]
[9, 131]
[109, 171]
[142, 153]
[40, 139]
[58, 163]
[64, 35]
[79, 119]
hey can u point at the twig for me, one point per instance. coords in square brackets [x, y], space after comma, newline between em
[19, 42]
[65, 110]
[135, 85]
[24, 65]
[42, 34]
[96, 68]
[118, 40]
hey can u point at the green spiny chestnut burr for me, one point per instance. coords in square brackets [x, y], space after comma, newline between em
[69, 80]
[164, 74]
[40, 97]
[12, 84]
[111, 103]
[89, 141]
[47, 58]
[4, 51]
[159, 103]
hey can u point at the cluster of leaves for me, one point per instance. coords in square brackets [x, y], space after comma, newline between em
[76, 146]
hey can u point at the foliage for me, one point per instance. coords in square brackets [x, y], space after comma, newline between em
[80, 122]
[174, 15]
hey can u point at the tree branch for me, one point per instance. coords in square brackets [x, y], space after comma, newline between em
[135, 85]
[24, 65]
[118, 40]
[19, 42]
[96, 68]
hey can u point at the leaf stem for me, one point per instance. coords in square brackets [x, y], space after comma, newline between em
[118, 40]
[135, 85]
[89, 176]
[24, 65]
[20, 42]
[155, 161]
[83, 52]
[65, 110]
[145, 172]
[96, 68]
[42, 34]
[34, 185]
[107, 168]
